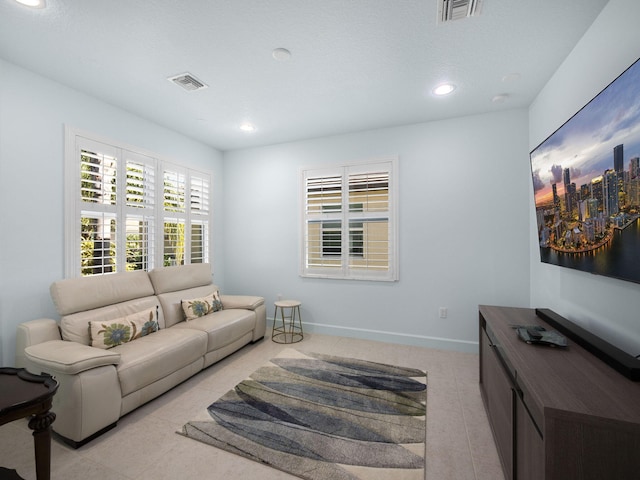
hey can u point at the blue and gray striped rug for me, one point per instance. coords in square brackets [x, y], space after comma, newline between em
[324, 417]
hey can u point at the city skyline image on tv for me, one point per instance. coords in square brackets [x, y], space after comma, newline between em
[586, 180]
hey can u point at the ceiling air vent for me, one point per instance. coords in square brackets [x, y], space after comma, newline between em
[449, 10]
[188, 82]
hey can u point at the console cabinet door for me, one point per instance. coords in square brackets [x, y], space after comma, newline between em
[529, 446]
[499, 401]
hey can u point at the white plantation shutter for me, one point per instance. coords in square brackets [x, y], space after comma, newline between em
[140, 236]
[173, 244]
[369, 221]
[174, 216]
[349, 224]
[140, 211]
[199, 217]
[186, 214]
[126, 210]
[96, 179]
[97, 242]
[199, 195]
[98, 167]
[323, 213]
[140, 181]
[174, 186]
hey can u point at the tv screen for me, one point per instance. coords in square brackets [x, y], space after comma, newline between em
[586, 183]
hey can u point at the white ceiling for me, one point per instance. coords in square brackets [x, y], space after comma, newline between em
[355, 65]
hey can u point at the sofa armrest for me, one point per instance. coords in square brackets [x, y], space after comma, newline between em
[247, 302]
[70, 358]
[38, 331]
[34, 332]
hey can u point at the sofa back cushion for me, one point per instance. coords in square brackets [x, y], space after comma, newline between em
[180, 277]
[86, 293]
[171, 302]
[75, 327]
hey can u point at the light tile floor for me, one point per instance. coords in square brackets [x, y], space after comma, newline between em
[145, 446]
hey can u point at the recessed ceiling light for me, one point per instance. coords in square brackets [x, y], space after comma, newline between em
[247, 127]
[281, 54]
[33, 3]
[444, 89]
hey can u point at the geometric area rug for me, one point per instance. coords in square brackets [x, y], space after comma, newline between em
[324, 417]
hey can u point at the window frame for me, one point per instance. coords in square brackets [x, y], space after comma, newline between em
[127, 210]
[348, 213]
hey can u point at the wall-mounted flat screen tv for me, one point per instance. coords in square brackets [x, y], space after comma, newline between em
[586, 182]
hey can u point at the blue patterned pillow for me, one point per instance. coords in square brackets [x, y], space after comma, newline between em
[111, 333]
[199, 307]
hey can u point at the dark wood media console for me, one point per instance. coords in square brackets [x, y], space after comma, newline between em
[556, 413]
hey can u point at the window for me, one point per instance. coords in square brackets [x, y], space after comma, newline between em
[349, 224]
[119, 216]
[177, 208]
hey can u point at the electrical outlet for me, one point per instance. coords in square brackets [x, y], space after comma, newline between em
[279, 296]
[443, 312]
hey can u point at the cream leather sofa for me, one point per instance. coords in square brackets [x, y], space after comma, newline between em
[98, 386]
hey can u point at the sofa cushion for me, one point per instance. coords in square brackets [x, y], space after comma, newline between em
[199, 307]
[153, 357]
[111, 333]
[75, 327]
[222, 327]
[86, 293]
[180, 277]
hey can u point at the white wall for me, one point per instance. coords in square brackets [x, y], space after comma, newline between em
[466, 208]
[33, 112]
[607, 307]
[464, 229]
[461, 181]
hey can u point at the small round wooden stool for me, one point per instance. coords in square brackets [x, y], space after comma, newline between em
[289, 331]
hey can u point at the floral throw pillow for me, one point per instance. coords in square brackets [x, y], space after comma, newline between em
[143, 323]
[199, 307]
[111, 333]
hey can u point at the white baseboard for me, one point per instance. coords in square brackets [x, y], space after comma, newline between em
[392, 337]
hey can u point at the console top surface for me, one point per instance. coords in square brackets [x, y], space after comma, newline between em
[570, 380]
